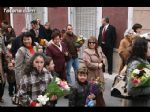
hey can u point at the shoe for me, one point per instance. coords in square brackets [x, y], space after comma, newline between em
[110, 73]
[66, 97]
[11, 95]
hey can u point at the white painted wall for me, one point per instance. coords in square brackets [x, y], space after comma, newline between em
[130, 17]
[99, 19]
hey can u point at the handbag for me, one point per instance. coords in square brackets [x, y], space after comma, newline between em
[103, 67]
[119, 87]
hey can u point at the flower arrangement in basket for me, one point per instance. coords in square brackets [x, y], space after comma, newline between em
[140, 77]
[56, 87]
[96, 86]
[79, 41]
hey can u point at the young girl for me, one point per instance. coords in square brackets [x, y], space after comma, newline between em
[81, 90]
[49, 65]
[11, 79]
[35, 80]
[49, 68]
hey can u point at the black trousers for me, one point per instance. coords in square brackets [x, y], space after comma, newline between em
[109, 55]
[12, 88]
[2, 87]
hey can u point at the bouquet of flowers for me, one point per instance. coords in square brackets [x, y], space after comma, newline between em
[140, 77]
[96, 86]
[55, 87]
[79, 41]
[41, 101]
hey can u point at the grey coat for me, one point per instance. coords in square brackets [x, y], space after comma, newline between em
[136, 91]
[22, 57]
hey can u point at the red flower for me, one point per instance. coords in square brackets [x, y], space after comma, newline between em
[33, 104]
[136, 81]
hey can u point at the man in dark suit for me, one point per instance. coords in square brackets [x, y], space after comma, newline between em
[38, 31]
[106, 39]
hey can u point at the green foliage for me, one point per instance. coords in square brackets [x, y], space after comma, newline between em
[54, 89]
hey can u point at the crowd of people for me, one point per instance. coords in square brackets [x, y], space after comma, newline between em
[30, 60]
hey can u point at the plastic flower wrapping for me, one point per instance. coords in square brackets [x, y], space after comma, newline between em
[140, 77]
[96, 87]
[55, 87]
[79, 41]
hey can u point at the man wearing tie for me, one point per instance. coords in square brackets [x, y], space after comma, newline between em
[106, 39]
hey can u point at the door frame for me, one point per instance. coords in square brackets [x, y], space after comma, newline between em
[72, 18]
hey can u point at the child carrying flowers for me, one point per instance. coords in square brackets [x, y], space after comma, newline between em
[81, 90]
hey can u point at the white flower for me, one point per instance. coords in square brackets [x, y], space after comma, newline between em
[147, 71]
[58, 82]
[67, 87]
[42, 99]
[136, 71]
[57, 79]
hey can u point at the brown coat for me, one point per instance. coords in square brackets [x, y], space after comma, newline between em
[69, 41]
[92, 60]
[124, 49]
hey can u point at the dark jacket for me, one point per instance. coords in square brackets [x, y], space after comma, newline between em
[48, 34]
[79, 93]
[110, 36]
[9, 37]
[16, 44]
[69, 41]
[10, 76]
[42, 34]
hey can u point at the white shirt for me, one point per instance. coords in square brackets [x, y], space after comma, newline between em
[59, 47]
[106, 26]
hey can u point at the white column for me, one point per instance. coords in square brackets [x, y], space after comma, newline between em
[99, 19]
[11, 18]
[69, 15]
[72, 17]
[45, 14]
[28, 18]
[130, 17]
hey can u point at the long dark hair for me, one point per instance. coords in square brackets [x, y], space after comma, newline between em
[29, 66]
[139, 49]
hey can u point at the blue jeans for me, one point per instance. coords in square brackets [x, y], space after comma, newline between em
[72, 63]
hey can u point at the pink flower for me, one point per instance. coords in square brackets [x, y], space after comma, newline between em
[62, 84]
[136, 82]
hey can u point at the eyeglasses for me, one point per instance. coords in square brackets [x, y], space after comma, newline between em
[92, 42]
